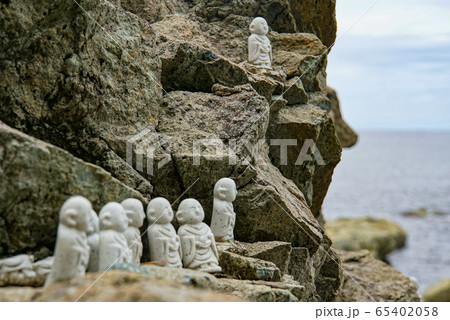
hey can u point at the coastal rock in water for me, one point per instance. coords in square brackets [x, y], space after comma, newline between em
[379, 236]
[32, 170]
[438, 292]
[370, 279]
[347, 137]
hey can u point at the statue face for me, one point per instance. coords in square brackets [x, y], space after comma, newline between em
[75, 213]
[225, 190]
[134, 211]
[190, 212]
[259, 26]
[159, 211]
[113, 217]
[119, 220]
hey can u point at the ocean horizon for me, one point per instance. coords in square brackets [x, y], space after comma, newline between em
[391, 172]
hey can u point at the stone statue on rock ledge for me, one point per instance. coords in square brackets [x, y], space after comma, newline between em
[223, 217]
[197, 241]
[259, 47]
[135, 213]
[162, 237]
[71, 255]
[113, 247]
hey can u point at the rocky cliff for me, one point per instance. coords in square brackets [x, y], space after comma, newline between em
[107, 81]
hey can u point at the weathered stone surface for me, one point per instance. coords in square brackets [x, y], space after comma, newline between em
[302, 55]
[302, 270]
[246, 268]
[347, 137]
[180, 276]
[294, 92]
[274, 251]
[316, 17]
[35, 180]
[282, 15]
[329, 279]
[67, 82]
[438, 292]
[379, 236]
[114, 285]
[370, 279]
[262, 291]
[310, 128]
[186, 66]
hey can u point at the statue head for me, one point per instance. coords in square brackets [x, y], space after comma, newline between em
[159, 211]
[113, 217]
[134, 211]
[75, 213]
[225, 189]
[190, 211]
[93, 223]
[259, 26]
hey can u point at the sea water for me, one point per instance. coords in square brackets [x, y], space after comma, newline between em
[389, 173]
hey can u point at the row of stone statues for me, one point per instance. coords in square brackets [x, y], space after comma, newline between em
[89, 242]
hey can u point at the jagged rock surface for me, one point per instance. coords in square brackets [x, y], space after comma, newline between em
[35, 180]
[90, 89]
[346, 135]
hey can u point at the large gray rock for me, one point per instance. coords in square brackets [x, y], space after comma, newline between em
[67, 82]
[311, 129]
[70, 83]
[35, 180]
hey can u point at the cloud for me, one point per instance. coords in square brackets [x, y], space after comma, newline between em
[392, 69]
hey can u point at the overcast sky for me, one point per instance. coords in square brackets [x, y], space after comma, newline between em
[391, 68]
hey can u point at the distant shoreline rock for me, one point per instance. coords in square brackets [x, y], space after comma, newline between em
[379, 236]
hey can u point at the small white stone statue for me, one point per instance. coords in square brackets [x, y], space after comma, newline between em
[113, 247]
[93, 242]
[223, 217]
[72, 250]
[163, 240]
[19, 267]
[197, 241]
[259, 47]
[135, 213]
[43, 267]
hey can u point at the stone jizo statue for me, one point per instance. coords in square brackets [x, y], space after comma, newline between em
[113, 247]
[93, 238]
[259, 47]
[197, 241]
[223, 217]
[135, 213]
[163, 239]
[72, 250]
